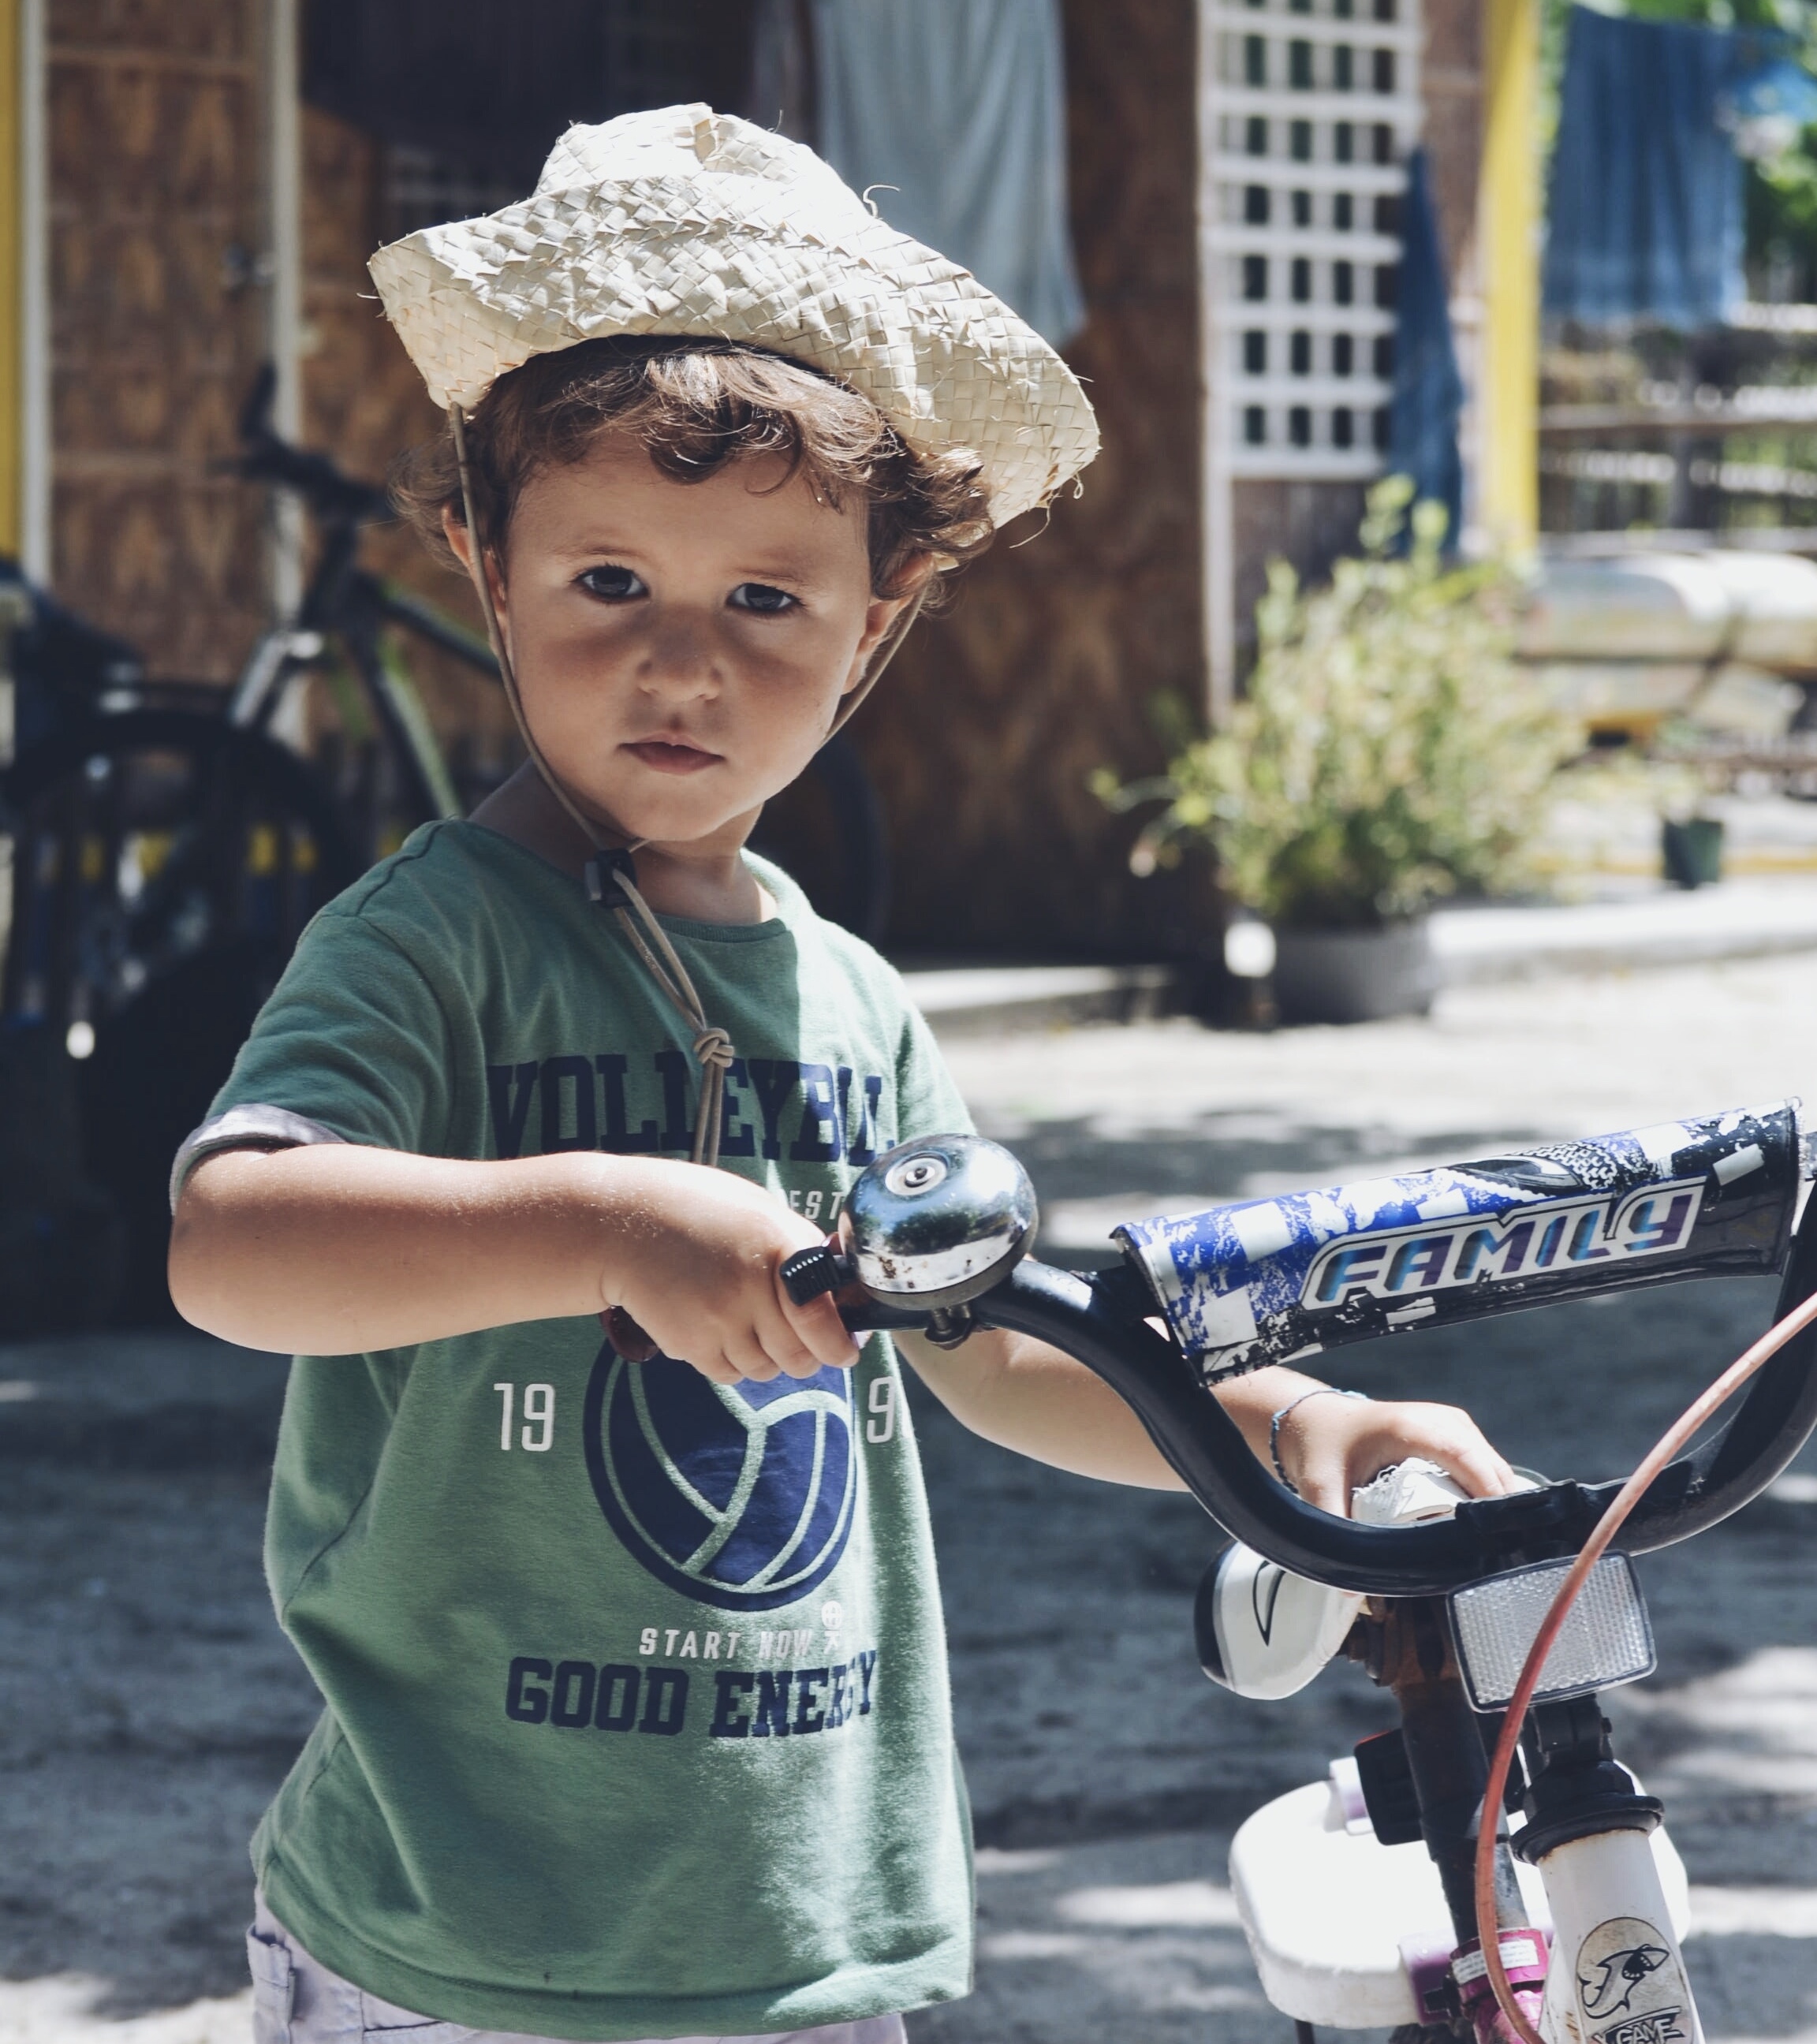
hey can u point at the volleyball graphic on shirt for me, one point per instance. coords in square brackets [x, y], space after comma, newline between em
[739, 1496]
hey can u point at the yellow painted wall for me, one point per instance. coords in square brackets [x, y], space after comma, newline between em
[1508, 203]
[12, 308]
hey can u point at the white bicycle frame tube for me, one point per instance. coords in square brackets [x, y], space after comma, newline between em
[1617, 1975]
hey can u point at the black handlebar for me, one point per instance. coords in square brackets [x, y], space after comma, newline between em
[341, 504]
[1102, 1322]
[335, 498]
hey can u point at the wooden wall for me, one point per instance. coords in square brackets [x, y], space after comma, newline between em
[364, 402]
[1451, 82]
[983, 733]
[155, 332]
[159, 326]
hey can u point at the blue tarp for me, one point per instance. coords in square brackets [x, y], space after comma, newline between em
[1644, 215]
[1428, 391]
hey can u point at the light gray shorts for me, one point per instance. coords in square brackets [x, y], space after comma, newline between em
[297, 2000]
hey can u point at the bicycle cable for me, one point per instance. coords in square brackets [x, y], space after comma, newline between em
[1745, 1366]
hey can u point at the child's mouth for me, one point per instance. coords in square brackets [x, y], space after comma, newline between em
[668, 757]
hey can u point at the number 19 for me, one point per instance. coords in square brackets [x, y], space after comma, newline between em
[537, 1436]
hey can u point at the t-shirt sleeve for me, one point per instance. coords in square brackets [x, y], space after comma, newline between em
[928, 1102]
[352, 1046]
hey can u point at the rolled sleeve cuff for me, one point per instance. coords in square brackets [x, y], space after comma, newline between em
[252, 1126]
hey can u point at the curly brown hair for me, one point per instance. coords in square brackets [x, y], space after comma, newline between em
[697, 405]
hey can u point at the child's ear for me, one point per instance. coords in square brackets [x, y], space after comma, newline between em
[884, 614]
[460, 544]
[459, 540]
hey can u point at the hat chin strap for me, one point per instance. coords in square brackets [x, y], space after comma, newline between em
[887, 648]
[610, 874]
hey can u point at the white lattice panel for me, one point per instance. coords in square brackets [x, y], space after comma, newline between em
[1315, 107]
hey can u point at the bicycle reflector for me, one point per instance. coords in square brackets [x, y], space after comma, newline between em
[1606, 1637]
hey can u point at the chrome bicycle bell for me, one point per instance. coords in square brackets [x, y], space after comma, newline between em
[937, 1222]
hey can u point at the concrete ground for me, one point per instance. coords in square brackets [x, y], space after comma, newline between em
[148, 1705]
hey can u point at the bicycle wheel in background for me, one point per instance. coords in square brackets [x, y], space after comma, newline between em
[828, 831]
[164, 864]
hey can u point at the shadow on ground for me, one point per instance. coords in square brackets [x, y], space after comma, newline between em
[148, 1705]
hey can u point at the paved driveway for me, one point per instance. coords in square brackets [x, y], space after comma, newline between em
[148, 1705]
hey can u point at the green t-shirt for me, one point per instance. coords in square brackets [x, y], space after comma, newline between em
[637, 1711]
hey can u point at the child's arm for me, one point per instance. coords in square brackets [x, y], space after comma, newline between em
[1023, 1395]
[332, 1249]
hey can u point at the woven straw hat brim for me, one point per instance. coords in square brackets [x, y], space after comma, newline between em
[686, 222]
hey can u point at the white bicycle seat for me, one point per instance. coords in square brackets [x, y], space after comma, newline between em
[1337, 1921]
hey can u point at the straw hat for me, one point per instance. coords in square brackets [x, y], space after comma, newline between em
[686, 221]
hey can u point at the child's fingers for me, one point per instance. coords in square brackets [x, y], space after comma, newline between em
[819, 1330]
[757, 1355]
[1450, 1438]
[791, 1355]
[1338, 1447]
[750, 1357]
[1481, 1470]
[716, 1369]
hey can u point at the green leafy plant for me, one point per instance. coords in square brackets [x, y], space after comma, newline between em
[1388, 751]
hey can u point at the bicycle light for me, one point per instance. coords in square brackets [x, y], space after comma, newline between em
[937, 1222]
[1606, 1640]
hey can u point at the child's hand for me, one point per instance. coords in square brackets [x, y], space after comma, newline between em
[1329, 1445]
[694, 1261]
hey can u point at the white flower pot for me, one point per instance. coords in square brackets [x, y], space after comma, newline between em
[1355, 975]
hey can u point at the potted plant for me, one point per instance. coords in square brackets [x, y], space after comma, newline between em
[1690, 839]
[1388, 751]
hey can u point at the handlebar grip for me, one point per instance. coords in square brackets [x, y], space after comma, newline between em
[811, 1274]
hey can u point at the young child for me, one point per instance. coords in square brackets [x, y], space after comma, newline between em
[636, 1718]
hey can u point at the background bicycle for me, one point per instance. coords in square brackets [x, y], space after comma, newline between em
[170, 841]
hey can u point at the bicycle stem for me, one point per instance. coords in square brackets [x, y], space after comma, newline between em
[1426, 1779]
[1411, 1654]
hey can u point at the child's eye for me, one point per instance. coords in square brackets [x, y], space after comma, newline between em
[765, 601]
[613, 584]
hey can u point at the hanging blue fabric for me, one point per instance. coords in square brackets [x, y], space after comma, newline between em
[1428, 392]
[1644, 213]
[955, 112]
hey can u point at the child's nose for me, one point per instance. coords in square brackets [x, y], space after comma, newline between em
[680, 657]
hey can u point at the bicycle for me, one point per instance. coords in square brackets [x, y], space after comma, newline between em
[1348, 1927]
[169, 845]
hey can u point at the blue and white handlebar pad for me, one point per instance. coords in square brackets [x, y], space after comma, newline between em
[1271, 1281]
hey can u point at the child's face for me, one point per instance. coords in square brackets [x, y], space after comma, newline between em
[682, 649]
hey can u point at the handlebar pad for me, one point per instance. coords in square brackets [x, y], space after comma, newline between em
[1267, 1280]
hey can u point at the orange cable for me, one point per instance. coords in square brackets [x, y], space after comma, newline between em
[1611, 1523]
